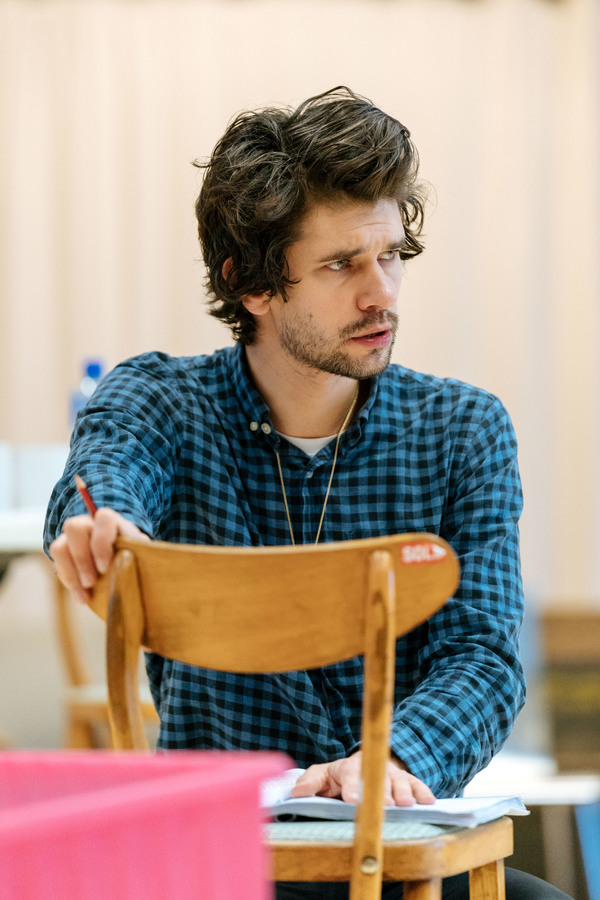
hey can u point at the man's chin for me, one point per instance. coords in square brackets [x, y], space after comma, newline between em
[360, 369]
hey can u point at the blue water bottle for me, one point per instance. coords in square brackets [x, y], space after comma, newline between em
[92, 372]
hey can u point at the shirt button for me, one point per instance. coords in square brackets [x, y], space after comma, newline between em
[253, 426]
[309, 475]
[265, 428]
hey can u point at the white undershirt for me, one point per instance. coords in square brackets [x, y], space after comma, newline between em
[310, 446]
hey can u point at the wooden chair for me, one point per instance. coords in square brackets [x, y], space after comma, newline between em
[285, 608]
[86, 698]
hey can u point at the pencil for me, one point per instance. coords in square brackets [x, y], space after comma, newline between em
[85, 495]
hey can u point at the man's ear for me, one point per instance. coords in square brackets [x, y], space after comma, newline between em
[226, 268]
[257, 304]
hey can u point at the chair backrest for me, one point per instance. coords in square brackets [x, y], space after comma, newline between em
[275, 609]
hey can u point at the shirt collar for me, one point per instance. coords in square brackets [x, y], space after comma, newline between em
[251, 402]
[256, 413]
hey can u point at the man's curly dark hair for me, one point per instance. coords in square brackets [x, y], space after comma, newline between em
[271, 165]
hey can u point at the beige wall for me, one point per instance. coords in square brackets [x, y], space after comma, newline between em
[103, 105]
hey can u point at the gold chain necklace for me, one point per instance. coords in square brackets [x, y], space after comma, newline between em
[335, 454]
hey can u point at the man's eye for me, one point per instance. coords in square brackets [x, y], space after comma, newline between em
[389, 254]
[337, 265]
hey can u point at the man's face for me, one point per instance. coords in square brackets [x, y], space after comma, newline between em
[340, 317]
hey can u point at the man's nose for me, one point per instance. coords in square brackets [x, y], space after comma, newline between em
[377, 289]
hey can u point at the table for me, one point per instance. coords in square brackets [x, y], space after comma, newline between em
[20, 533]
[565, 810]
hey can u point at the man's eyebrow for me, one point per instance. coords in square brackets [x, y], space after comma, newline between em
[400, 244]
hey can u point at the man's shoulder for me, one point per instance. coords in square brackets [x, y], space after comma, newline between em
[399, 380]
[441, 401]
[160, 366]
[443, 410]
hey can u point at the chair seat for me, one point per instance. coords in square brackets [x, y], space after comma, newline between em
[92, 699]
[327, 830]
[87, 709]
[411, 852]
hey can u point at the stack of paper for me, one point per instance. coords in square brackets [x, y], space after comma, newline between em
[468, 812]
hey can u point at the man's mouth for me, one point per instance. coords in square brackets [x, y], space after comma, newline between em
[380, 337]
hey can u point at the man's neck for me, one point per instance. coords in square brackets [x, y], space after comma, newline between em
[303, 402]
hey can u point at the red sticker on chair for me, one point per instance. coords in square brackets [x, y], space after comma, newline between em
[421, 552]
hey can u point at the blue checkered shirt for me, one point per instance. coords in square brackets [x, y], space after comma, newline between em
[184, 448]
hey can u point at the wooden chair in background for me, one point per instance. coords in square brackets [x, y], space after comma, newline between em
[285, 608]
[85, 698]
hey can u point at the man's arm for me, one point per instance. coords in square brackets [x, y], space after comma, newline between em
[460, 683]
[123, 446]
[469, 684]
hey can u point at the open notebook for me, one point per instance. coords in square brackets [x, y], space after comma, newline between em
[468, 812]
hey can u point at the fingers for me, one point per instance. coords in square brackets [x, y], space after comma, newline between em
[85, 549]
[400, 788]
[107, 525]
[342, 778]
[350, 779]
[421, 792]
[316, 780]
[72, 557]
[404, 789]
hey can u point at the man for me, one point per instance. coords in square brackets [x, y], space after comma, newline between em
[303, 432]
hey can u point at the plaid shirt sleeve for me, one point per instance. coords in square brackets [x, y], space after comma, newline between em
[124, 446]
[471, 684]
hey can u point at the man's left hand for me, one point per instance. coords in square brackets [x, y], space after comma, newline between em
[341, 778]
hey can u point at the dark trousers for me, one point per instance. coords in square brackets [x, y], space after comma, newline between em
[519, 886]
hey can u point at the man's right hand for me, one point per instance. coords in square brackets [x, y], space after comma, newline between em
[85, 549]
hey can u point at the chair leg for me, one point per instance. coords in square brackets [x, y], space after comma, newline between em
[487, 882]
[423, 890]
[80, 736]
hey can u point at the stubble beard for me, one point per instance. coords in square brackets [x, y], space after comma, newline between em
[306, 345]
